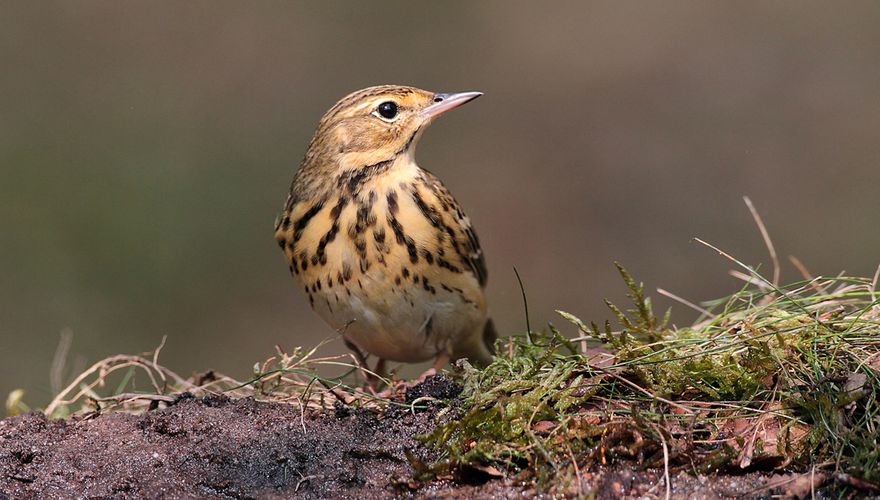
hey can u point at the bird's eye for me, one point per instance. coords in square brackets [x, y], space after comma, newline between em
[387, 109]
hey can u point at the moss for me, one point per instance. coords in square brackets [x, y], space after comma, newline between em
[534, 384]
[791, 362]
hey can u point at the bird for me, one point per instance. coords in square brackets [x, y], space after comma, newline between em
[381, 248]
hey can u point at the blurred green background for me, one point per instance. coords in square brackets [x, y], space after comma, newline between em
[146, 148]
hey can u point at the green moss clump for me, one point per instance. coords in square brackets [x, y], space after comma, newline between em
[800, 364]
[520, 405]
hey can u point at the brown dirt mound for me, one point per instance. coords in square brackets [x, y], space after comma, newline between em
[223, 448]
[208, 447]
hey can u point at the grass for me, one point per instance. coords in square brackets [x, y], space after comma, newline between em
[770, 376]
[136, 383]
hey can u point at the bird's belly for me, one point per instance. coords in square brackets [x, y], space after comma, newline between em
[397, 319]
[403, 325]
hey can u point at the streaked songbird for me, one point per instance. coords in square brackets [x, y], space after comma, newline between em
[380, 247]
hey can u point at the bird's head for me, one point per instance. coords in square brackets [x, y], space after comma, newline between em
[377, 124]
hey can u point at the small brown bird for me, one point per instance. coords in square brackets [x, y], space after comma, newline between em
[383, 251]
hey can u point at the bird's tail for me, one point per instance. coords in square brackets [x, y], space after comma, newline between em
[490, 335]
[478, 349]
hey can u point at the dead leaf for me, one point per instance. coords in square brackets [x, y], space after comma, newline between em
[778, 438]
[543, 426]
[489, 470]
[599, 356]
[874, 362]
[799, 485]
[857, 482]
[855, 382]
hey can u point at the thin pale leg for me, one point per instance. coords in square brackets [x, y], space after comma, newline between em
[439, 362]
[378, 373]
[371, 380]
[358, 355]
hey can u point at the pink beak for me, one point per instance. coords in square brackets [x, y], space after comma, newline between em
[445, 102]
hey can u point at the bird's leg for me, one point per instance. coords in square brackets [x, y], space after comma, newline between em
[439, 362]
[361, 360]
[374, 377]
[358, 355]
[371, 378]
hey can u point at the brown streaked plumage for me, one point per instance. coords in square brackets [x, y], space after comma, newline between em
[382, 250]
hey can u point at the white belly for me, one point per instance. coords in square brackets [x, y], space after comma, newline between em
[405, 323]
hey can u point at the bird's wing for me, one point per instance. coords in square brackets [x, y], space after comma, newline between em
[457, 223]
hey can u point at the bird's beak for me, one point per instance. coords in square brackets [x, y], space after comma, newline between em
[445, 102]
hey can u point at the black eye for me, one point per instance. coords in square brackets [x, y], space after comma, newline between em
[388, 109]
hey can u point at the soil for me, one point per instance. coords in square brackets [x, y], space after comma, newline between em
[216, 447]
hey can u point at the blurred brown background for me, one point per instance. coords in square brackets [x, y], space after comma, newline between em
[146, 148]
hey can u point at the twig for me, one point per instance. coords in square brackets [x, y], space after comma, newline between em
[665, 460]
[522, 290]
[59, 359]
[305, 479]
[643, 390]
[874, 284]
[302, 414]
[686, 302]
[857, 482]
[156, 361]
[59, 399]
[813, 482]
[104, 368]
[577, 470]
[751, 280]
[131, 396]
[814, 283]
[767, 486]
[767, 241]
[754, 273]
